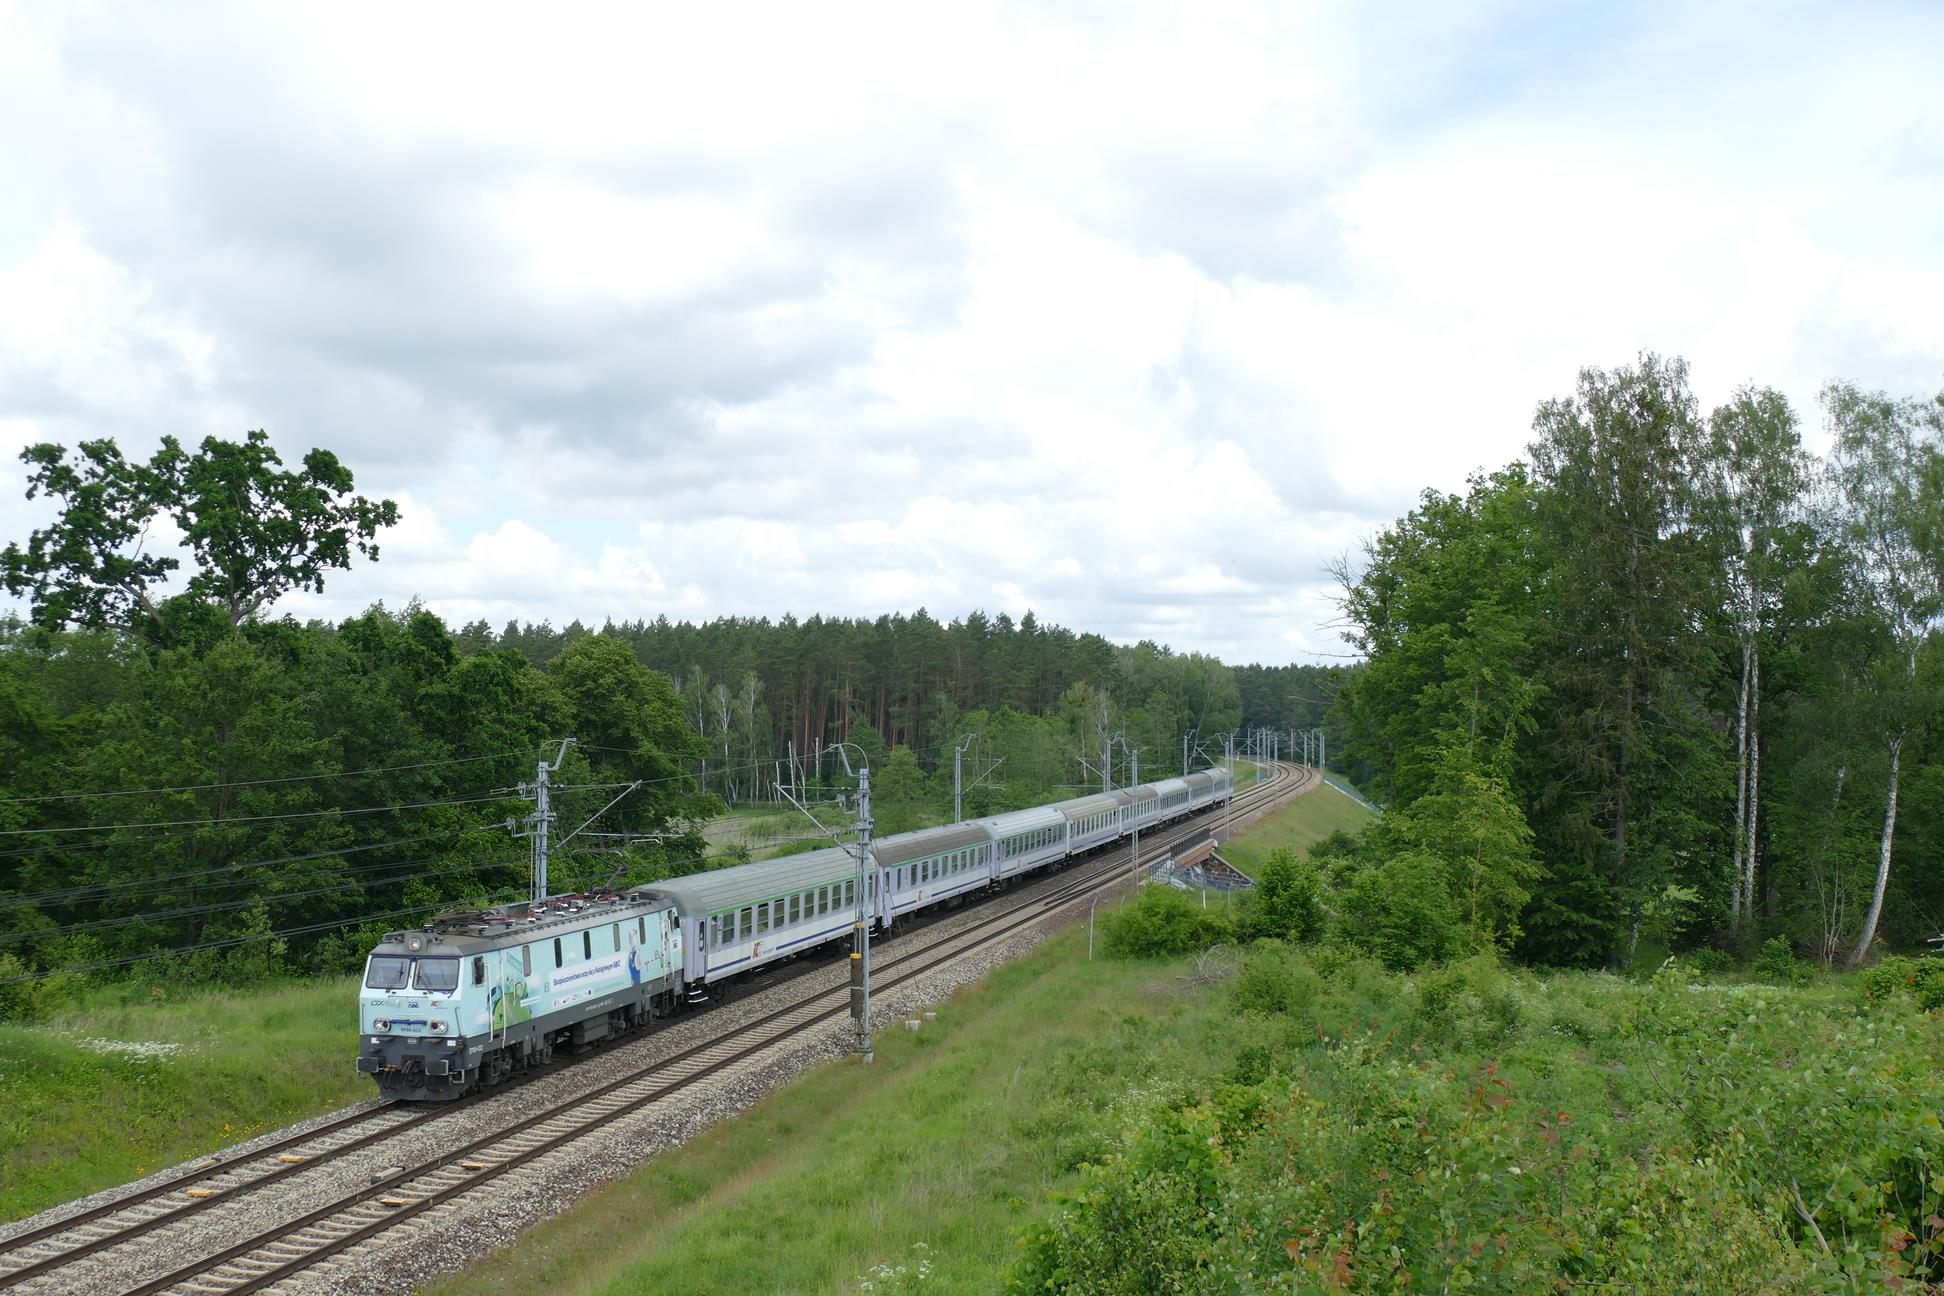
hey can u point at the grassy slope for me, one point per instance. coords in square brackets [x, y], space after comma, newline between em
[74, 1120]
[950, 1140]
[944, 1153]
[1300, 825]
[953, 1139]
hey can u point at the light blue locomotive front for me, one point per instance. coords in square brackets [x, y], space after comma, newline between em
[476, 996]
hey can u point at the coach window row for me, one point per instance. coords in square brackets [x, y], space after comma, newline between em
[751, 921]
[949, 864]
[1033, 841]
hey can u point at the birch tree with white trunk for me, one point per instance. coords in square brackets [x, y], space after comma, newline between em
[1886, 467]
[1754, 475]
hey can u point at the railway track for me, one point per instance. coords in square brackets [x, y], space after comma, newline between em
[53, 1256]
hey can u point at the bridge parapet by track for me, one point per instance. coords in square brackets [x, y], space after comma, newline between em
[1197, 866]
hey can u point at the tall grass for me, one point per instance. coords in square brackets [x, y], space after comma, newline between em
[1298, 826]
[123, 1083]
[931, 1156]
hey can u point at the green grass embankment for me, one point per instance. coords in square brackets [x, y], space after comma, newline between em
[1299, 825]
[119, 1086]
[935, 1153]
[1524, 1133]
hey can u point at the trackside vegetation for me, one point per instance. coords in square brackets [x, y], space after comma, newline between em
[128, 1080]
[1282, 1119]
[1288, 1113]
[1696, 667]
[1474, 1127]
[1428, 1119]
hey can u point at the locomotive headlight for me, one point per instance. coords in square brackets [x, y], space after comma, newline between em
[380, 1024]
[438, 1027]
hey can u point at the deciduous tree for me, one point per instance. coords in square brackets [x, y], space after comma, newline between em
[1886, 466]
[255, 531]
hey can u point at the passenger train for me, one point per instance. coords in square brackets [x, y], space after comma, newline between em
[474, 996]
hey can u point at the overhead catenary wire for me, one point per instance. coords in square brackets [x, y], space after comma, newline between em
[262, 782]
[200, 827]
[136, 888]
[413, 869]
[208, 827]
[207, 824]
[111, 893]
[701, 863]
[129, 887]
[104, 964]
[695, 862]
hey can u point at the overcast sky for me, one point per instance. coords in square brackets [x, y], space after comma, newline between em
[1134, 316]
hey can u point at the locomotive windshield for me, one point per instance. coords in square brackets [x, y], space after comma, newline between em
[387, 973]
[437, 974]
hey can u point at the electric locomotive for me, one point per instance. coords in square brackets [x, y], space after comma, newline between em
[476, 995]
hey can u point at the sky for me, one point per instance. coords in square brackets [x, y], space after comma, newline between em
[1136, 316]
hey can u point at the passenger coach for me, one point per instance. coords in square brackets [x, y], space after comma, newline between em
[735, 919]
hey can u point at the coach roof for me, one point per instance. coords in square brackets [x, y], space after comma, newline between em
[731, 888]
[1016, 822]
[1081, 807]
[904, 847]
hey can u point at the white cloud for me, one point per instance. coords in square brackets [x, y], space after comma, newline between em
[1133, 315]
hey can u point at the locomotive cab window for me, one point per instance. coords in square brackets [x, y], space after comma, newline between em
[587, 943]
[437, 974]
[526, 960]
[385, 973]
[479, 970]
[560, 959]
